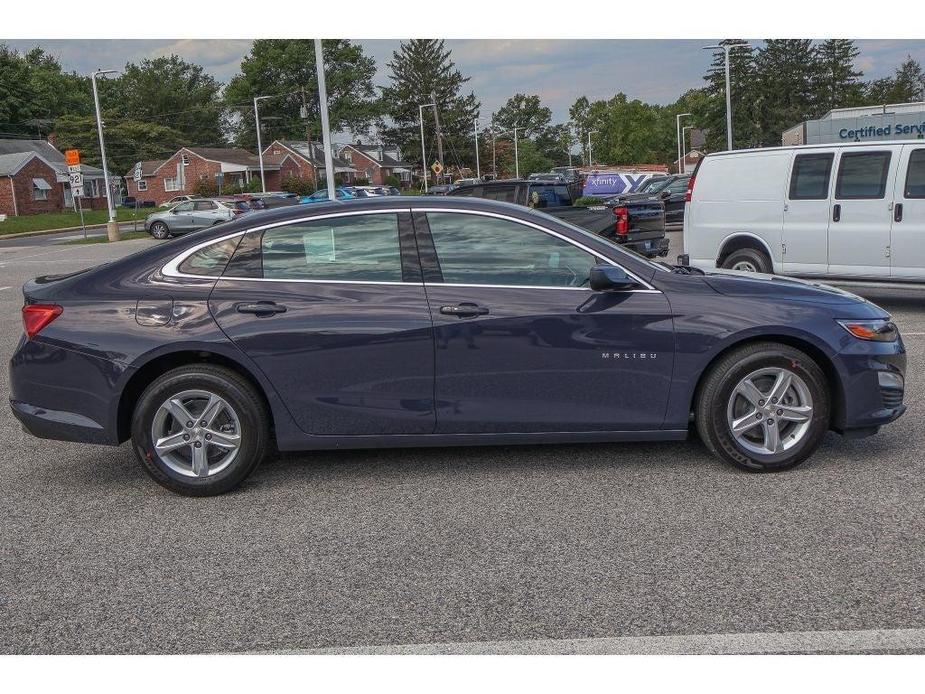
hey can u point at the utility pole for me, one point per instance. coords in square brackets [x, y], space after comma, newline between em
[433, 98]
[263, 184]
[112, 227]
[677, 124]
[421, 108]
[516, 153]
[726, 47]
[308, 127]
[325, 123]
[494, 156]
[590, 160]
[683, 166]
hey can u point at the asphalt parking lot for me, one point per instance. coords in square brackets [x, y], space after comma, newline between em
[594, 548]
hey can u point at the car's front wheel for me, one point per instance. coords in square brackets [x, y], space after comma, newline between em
[200, 430]
[159, 230]
[763, 407]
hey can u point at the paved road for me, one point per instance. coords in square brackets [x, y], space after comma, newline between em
[591, 548]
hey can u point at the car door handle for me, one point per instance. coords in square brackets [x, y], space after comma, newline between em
[898, 212]
[464, 310]
[836, 213]
[261, 308]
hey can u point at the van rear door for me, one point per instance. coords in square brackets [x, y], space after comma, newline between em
[861, 214]
[807, 213]
[907, 239]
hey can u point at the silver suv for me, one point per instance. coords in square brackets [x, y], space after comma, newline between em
[186, 217]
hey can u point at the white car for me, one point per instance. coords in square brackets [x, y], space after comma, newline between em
[177, 199]
[839, 211]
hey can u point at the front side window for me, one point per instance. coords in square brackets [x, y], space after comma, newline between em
[474, 249]
[184, 207]
[810, 177]
[211, 260]
[862, 176]
[915, 175]
[360, 248]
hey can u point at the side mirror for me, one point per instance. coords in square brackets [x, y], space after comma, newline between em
[610, 278]
[665, 194]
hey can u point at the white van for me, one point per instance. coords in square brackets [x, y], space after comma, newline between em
[840, 210]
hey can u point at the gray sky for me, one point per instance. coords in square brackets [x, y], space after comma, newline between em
[559, 71]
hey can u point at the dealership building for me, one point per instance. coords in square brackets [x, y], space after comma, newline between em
[861, 124]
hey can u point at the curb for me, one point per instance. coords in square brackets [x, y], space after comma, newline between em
[48, 232]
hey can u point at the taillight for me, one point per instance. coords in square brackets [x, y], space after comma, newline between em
[690, 189]
[622, 226]
[36, 316]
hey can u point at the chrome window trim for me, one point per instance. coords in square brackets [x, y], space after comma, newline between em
[170, 269]
[648, 287]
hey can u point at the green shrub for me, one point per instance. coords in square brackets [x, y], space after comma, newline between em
[205, 188]
[393, 180]
[586, 200]
[361, 182]
[299, 186]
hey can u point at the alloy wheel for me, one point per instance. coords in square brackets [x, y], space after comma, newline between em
[745, 266]
[196, 433]
[770, 411]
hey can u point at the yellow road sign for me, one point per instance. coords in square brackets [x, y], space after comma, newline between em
[437, 167]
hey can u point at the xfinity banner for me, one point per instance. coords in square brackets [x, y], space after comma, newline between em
[604, 185]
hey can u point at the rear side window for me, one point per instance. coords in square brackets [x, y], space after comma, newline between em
[862, 176]
[211, 260]
[362, 248]
[204, 205]
[915, 175]
[502, 193]
[810, 177]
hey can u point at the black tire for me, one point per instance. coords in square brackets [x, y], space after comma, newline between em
[238, 393]
[159, 231]
[747, 258]
[724, 376]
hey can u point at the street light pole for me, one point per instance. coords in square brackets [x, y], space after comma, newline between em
[516, 153]
[263, 185]
[494, 156]
[112, 227]
[682, 167]
[475, 128]
[325, 121]
[677, 122]
[421, 108]
[726, 47]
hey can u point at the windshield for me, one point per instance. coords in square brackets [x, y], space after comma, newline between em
[657, 186]
[612, 245]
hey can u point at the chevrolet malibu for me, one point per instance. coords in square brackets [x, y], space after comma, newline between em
[391, 322]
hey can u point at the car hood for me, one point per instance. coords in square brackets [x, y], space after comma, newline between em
[754, 284]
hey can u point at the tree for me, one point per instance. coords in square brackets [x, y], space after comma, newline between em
[838, 84]
[742, 94]
[907, 84]
[525, 112]
[786, 74]
[580, 115]
[127, 141]
[283, 68]
[171, 91]
[422, 72]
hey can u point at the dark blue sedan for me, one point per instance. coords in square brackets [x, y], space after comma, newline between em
[436, 322]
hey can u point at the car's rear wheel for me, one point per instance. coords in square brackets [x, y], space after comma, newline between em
[159, 230]
[200, 430]
[764, 407]
[748, 260]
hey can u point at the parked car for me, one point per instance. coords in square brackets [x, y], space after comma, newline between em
[237, 205]
[571, 174]
[177, 199]
[671, 190]
[639, 225]
[437, 322]
[441, 189]
[854, 210]
[321, 195]
[467, 181]
[649, 184]
[548, 177]
[186, 217]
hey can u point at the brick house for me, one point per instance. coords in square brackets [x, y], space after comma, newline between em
[301, 159]
[375, 163]
[231, 169]
[34, 178]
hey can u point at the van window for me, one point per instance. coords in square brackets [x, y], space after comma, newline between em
[862, 176]
[915, 175]
[810, 177]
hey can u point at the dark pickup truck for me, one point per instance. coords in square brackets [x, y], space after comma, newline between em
[639, 225]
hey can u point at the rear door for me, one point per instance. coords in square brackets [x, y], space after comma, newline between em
[524, 346]
[861, 212]
[333, 311]
[205, 213]
[807, 211]
[907, 239]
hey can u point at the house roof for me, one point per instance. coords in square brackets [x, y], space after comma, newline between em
[228, 155]
[313, 153]
[48, 152]
[11, 163]
[147, 167]
[379, 154]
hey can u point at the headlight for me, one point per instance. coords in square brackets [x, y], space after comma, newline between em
[881, 330]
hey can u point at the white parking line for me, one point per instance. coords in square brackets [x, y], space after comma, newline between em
[697, 644]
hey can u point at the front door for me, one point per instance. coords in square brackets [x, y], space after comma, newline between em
[182, 217]
[523, 345]
[861, 212]
[907, 240]
[334, 313]
[806, 214]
